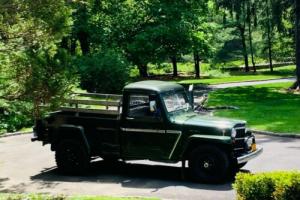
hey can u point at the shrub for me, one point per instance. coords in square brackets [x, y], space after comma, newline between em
[105, 72]
[15, 115]
[268, 186]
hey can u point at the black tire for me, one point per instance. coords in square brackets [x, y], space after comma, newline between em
[71, 157]
[209, 164]
[110, 160]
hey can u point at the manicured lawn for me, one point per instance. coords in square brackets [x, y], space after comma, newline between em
[280, 72]
[265, 107]
[4, 196]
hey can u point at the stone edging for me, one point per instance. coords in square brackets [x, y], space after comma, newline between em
[287, 135]
[14, 134]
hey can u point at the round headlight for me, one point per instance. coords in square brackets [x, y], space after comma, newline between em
[233, 133]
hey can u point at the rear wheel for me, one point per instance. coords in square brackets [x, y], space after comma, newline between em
[209, 164]
[71, 157]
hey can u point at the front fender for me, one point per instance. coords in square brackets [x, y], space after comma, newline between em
[211, 138]
[197, 140]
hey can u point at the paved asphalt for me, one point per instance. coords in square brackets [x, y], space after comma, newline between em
[30, 167]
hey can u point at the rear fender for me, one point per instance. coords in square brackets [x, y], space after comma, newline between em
[67, 131]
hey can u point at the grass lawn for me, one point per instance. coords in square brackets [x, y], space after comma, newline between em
[4, 196]
[264, 107]
[217, 78]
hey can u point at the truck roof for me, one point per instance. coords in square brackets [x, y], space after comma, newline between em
[157, 86]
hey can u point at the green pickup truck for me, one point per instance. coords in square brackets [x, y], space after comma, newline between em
[152, 120]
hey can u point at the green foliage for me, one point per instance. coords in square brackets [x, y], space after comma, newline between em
[105, 72]
[268, 186]
[33, 67]
[44, 75]
[15, 115]
[38, 41]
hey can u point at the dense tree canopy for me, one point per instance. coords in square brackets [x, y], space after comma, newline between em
[49, 46]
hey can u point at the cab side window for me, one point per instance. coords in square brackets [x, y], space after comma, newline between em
[139, 106]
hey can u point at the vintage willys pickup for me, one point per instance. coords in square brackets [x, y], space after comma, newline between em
[152, 120]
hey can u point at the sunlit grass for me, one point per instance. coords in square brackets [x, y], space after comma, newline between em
[266, 107]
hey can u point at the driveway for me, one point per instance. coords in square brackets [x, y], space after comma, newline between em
[30, 167]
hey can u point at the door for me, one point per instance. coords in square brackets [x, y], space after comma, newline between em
[144, 131]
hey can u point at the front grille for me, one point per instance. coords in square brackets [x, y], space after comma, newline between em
[240, 132]
[239, 144]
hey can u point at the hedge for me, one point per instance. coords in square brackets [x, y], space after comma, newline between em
[281, 185]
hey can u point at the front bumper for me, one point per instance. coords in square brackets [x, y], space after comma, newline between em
[249, 156]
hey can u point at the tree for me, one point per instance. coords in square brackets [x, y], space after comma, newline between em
[126, 25]
[103, 72]
[29, 44]
[201, 44]
[251, 14]
[238, 10]
[267, 23]
[297, 31]
[287, 12]
[201, 30]
[173, 20]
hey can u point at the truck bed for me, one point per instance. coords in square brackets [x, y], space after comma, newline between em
[100, 129]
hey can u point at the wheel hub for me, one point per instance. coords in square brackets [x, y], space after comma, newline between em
[206, 165]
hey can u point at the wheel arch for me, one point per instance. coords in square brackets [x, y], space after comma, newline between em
[67, 131]
[221, 142]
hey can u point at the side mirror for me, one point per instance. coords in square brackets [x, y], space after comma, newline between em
[191, 95]
[152, 106]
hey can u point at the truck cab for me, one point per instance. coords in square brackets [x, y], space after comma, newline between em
[154, 121]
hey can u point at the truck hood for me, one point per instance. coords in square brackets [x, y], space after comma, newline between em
[193, 119]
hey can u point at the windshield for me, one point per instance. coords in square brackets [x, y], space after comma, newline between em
[176, 101]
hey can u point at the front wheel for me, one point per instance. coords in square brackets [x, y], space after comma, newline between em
[71, 157]
[209, 164]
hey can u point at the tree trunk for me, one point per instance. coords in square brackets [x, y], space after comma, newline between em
[250, 43]
[245, 53]
[297, 27]
[174, 63]
[84, 44]
[197, 64]
[73, 46]
[143, 70]
[269, 38]
[64, 43]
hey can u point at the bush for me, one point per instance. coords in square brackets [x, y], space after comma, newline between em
[268, 186]
[105, 72]
[15, 115]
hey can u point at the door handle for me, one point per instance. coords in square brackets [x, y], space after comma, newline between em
[129, 118]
